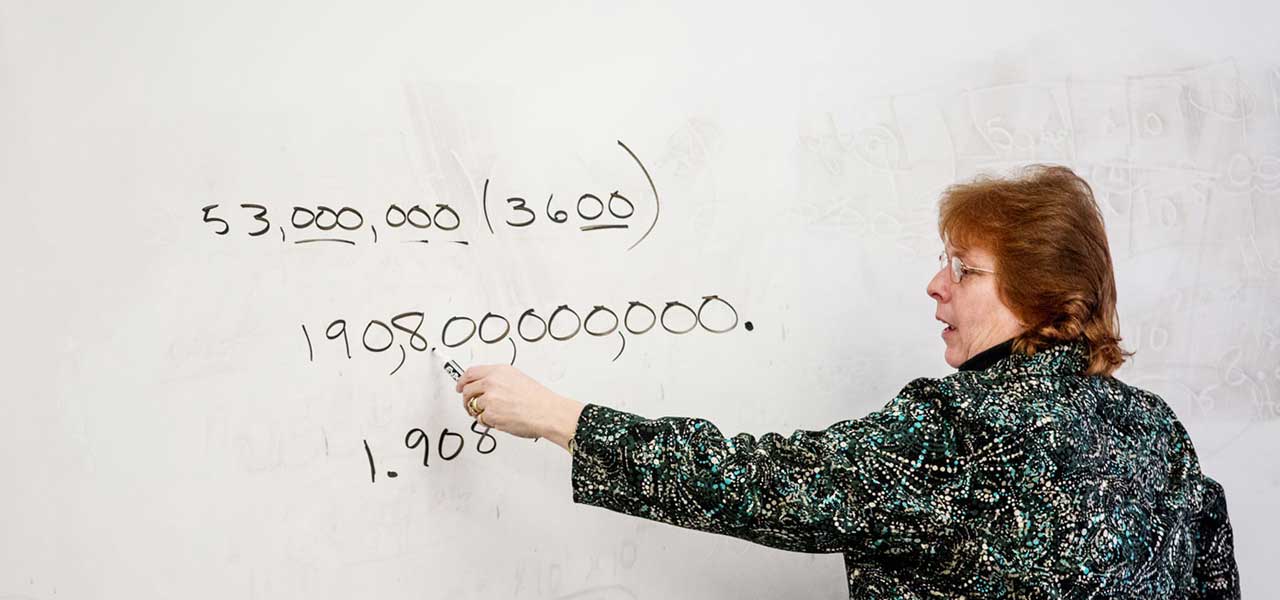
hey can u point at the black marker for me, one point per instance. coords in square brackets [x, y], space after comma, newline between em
[452, 368]
[455, 371]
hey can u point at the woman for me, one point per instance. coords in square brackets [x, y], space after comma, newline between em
[1031, 472]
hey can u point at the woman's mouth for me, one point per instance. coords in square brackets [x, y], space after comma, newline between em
[948, 329]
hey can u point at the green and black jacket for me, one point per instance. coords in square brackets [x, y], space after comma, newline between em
[1022, 479]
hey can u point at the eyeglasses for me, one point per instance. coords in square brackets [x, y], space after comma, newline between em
[958, 268]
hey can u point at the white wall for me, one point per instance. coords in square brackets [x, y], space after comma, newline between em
[168, 430]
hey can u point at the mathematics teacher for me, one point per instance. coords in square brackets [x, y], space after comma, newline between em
[1030, 472]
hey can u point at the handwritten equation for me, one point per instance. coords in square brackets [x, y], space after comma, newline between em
[404, 331]
[441, 222]
[449, 444]
[343, 225]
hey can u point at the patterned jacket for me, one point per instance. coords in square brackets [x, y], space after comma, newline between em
[1022, 480]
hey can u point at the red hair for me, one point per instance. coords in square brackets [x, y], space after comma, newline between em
[1053, 263]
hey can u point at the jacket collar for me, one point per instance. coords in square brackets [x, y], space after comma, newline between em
[988, 357]
[1062, 358]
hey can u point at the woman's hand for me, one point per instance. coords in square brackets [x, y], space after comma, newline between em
[508, 400]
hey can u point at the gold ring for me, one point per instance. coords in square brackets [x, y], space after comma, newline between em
[472, 405]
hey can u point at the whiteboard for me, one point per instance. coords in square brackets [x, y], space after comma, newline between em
[234, 231]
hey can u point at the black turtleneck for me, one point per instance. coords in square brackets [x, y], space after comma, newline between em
[988, 357]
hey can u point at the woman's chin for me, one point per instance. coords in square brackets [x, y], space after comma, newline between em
[953, 359]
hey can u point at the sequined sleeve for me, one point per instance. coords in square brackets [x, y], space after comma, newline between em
[857, 485]
[1216, 575]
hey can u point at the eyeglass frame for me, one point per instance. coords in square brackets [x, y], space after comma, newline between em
[958, 268]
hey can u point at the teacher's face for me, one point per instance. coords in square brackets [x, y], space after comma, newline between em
[976, 319]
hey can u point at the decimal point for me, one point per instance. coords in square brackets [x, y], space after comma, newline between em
[749, 326]
[392, 474]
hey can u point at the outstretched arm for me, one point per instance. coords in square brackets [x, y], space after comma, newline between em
[859, 485]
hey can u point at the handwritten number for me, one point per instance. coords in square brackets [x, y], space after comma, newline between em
[311, 354]
[212, 219]
[558, 216]
[347, 210]
[373, 472]
[321, 211]
[398, 221]
[440, 444]
[520, 207]
[365, 338]
[261, 217]
[415, 338]
[484, 435]
[443, 208]
[599, 210]
[416, 223]
[631, 208]
[420, 437]
[306, 213]
[341, 324]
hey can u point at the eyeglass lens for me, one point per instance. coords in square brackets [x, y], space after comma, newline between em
[952, 264]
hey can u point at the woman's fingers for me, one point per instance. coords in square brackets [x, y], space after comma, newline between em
[500, 395]
[473, 374]
[474, 390]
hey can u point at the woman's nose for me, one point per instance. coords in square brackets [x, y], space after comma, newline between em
[939, 287]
